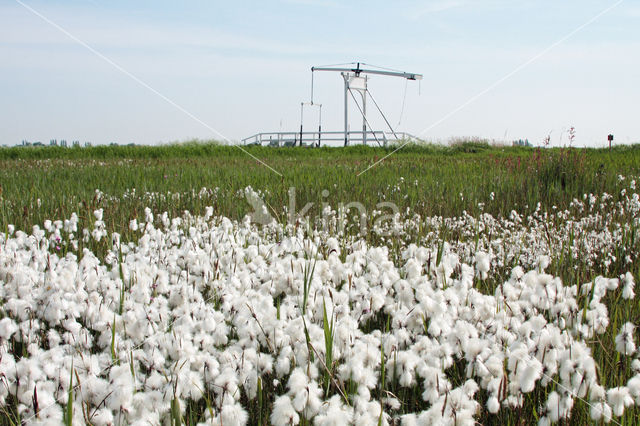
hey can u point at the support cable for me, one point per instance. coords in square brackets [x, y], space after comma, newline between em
[382, 114]
[365, 118]
[336, 65]
[382, 68]
[404, 99]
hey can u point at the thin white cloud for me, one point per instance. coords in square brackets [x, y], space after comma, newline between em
[436, 6]
[20, 29]
[632, 11]
[320, 3]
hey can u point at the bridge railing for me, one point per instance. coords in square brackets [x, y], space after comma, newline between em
[278, 139]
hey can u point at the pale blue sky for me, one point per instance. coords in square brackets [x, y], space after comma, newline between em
[243, 67]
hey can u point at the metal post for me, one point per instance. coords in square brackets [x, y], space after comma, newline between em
[320, 125]
[345, 75]
[301, 120]
[364, 112]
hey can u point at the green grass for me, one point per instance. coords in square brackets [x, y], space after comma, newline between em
[429, 179]
[51, 183]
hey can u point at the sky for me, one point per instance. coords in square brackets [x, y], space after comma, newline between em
[151, 72]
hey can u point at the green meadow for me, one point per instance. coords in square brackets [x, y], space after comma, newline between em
[472, 178]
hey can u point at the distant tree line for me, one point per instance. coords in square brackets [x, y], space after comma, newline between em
[522, 142]
[62, 143]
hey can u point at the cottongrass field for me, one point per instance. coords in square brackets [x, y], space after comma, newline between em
[482, 300]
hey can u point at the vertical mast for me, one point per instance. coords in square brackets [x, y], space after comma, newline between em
[345, 75]
[364, 112]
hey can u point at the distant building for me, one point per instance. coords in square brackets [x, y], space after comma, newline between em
[521, 142]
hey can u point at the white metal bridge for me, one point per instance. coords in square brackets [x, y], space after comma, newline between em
[355, 81]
